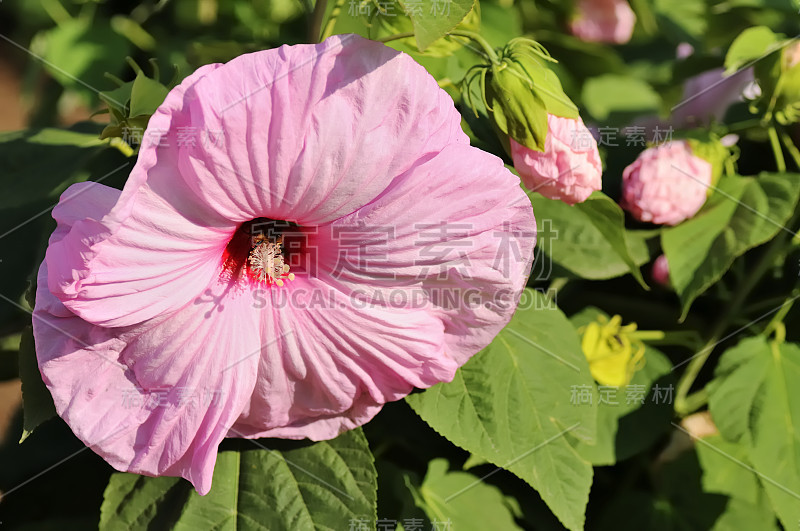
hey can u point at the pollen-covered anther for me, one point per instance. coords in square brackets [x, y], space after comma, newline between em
[267, 264]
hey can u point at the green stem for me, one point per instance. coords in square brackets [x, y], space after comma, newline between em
[396, 37]
[480, 41]
[682, 404]
[780, 315]
[317, 16]
[776, 148]
[747, 124]
[331, 23]
[483, 43]
[790, 147]
[695, 401]
[556, 286]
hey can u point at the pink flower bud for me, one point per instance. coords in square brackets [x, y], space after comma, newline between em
[603, 21]
[660, 271]
[568, 169]
[666, 184]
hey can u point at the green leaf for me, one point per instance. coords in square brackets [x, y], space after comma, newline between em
[727, 470]
[751, 44]
[37, 403]
[433, 19]
[397, 21]
[775, 449]
[742, 213]
[768, 412]
[511, 404]
[738, 377]
[588, 239]
[324, 485]
[633, 417]
[613, 96]
[462, 501]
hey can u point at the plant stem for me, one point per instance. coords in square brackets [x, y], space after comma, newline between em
[328, 31]
[315, 27]
[780, 315]
[683, 406]
[483, 43]
[741, 126]
[396, 36]
[790, 147]
[776, 148]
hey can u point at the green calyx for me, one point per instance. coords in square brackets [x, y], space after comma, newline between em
[707, 146]
[518, 91]
[131, 104]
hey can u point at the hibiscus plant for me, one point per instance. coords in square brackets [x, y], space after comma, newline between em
[413, 264]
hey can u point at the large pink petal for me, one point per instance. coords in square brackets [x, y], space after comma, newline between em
[310, 133]
[147, 254]
[467, 254]
[138, 396]
[335, 363]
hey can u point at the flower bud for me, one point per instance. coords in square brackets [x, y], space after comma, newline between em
[660, 271]
[667, 184]
[569, 169]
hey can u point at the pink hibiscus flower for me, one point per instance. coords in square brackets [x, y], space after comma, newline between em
[165, 320]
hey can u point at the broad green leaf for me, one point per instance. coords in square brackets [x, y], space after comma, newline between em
[738, 377]
[588, 239]
[618, 96]
[512, 405]
[775, 417]
[399, 22]
[462, 501]
[633, 417]
[324, 485]
[742, 213]
[37, 403]
[727, 470]
[751, 44]
[433, 19]
[768, 411]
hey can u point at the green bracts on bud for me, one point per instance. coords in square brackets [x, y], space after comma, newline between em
[519, 91]
[131, 104]
[707, 146]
